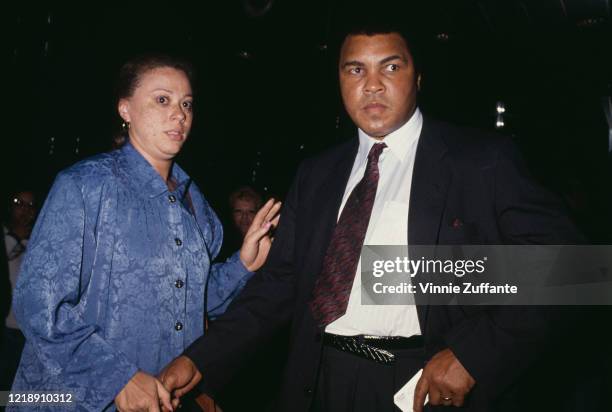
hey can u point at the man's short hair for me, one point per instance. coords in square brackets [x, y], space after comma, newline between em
[370, 20]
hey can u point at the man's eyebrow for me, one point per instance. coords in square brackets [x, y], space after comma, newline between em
[391, 58]
[353, 63]
[388, 59]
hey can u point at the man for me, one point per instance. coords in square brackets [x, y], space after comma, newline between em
[407, 178]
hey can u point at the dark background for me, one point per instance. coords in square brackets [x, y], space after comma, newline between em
[267, 96]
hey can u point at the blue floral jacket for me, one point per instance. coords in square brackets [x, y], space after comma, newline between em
[115, 276]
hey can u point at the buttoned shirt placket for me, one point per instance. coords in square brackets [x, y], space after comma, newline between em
[177, 268]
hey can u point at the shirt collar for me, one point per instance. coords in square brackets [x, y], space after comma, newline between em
[145, 179]
[398, 142]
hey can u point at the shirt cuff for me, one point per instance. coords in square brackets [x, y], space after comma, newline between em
[238, 266]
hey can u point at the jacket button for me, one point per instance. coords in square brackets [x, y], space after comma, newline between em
[178, 241]
[172, 198]
[179, 284]
[308, 391]
[178, 326]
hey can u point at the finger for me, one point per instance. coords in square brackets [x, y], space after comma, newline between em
[268, 214]
[169, 381]
[154, 406]
[176, 402]
[435, 398]
[257, 234]
[261, 214]
[274, 221]
[435, 391]
[183, 391]
[166, 402]
[458, 400]
[163, 395]
[420, 391]
[273, 211]
[193, 382]
[446, 399]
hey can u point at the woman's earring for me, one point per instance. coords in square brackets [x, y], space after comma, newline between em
[125, 126]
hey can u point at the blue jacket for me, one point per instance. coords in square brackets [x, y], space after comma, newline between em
[115, 276]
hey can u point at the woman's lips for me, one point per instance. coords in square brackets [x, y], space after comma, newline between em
[176, 135]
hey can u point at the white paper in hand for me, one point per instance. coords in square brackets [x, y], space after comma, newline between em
[405, 396]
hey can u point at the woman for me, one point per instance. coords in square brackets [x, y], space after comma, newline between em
[113, 283]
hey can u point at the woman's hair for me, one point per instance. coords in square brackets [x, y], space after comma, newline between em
[132, 71]
[245, 193]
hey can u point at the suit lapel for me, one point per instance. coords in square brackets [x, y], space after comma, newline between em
[329, 197]
[331, 192]
[430, 181]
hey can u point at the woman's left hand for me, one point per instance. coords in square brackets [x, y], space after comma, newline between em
[257, 242]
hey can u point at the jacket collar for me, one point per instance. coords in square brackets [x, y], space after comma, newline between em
[144, 178]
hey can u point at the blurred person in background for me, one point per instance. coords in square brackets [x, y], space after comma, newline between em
[16, 230]
[243, 202]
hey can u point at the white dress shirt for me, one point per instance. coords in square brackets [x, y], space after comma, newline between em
[388, 226]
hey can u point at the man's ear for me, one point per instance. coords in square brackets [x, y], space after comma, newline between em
[123, 109]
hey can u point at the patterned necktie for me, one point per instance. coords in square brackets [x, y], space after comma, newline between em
[333, 286]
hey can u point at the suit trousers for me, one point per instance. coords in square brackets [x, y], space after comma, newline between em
[347, 382]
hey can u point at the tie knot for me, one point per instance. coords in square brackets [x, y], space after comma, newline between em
[375, 152]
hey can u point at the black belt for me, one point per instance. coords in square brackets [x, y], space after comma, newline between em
[376, 348]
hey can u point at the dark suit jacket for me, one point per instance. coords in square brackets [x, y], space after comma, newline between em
[458, 173]
[5, 282]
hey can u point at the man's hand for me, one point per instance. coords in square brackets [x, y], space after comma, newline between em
[256, 244]
[179, 377]
[446, 381]
[143, 393]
